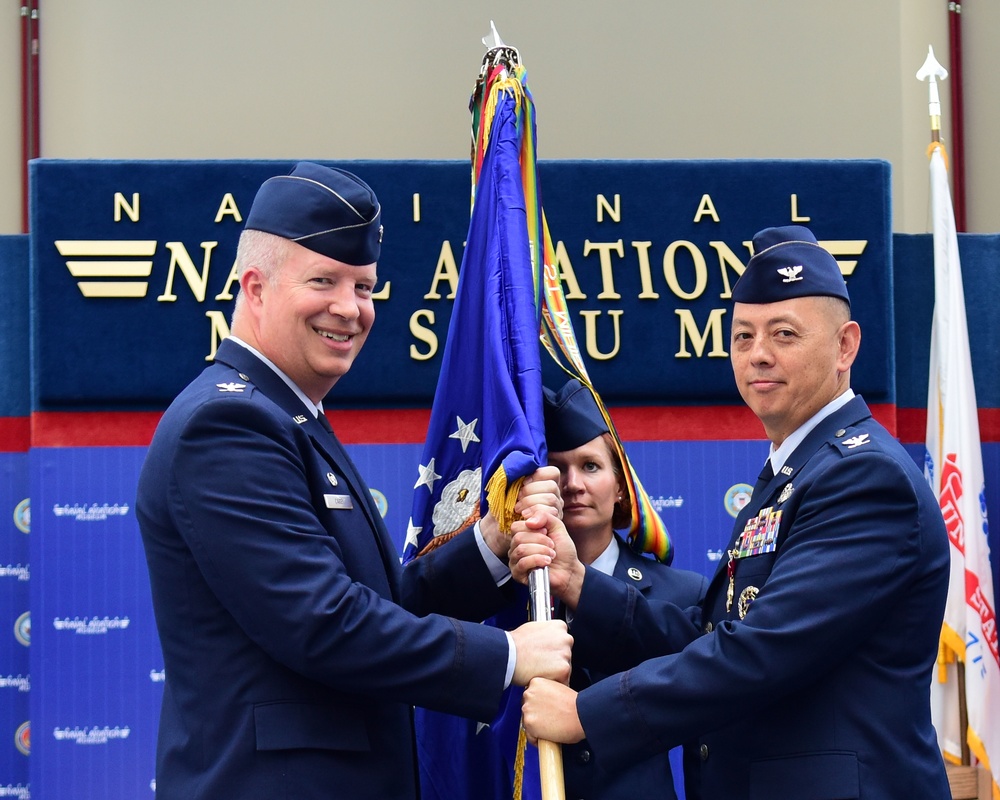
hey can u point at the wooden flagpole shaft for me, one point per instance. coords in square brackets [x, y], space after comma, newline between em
[550, 764]
[550, 770]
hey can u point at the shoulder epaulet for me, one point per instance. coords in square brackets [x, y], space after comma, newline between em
[852, 439]
[239, 383]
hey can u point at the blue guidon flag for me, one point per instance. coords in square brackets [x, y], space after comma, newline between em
[486, 430]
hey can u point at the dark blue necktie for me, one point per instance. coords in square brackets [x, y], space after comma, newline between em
[764, 478]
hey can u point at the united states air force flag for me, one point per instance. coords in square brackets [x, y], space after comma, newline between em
[486, 431]
[486, 420]
[954, 466]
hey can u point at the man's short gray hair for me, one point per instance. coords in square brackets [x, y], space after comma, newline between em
[265, 251]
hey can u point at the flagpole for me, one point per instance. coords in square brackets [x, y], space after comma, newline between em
[932, 71]
[957, 113]
[539, 592]
[550, 765]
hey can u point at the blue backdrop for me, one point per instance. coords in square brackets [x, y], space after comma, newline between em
[130, 264]
[15, 520]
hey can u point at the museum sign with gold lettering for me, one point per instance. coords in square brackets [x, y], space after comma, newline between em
[133, 273]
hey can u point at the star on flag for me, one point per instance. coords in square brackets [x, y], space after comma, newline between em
[427, 476]
[466, 432]
[412, 533]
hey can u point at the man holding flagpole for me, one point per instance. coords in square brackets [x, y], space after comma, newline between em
[811, 676]
[292, 668]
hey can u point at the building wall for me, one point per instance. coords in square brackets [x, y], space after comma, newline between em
[327, 79]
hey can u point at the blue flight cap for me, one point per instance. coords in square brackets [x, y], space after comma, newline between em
[572, 417]
[788, 262]
[329, 211]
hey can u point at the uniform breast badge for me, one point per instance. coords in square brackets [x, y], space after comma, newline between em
[785, 493]
[759, 537]
[747, 596]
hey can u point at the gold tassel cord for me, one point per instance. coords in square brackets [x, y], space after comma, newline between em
[501, 497]
[512, 87]
[522, 745]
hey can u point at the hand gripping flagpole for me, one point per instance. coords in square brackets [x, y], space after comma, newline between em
[550, 766]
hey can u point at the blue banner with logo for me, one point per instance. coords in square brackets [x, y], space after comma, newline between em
[15, 523]
[131, 291]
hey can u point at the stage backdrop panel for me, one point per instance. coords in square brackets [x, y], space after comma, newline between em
[15, 522]
[132, 289]
[913, 269]
[136, 260]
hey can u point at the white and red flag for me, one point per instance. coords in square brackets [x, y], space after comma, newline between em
[954, 466]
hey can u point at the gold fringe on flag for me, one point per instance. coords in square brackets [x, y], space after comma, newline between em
[522, 745]
[938, 146]
[501, 497]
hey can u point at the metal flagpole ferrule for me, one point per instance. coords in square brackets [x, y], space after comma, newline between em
[539, 594]
[497, 52]
[930, 72]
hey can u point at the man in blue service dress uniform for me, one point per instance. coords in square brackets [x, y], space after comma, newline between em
[291, 669]
[812, 676]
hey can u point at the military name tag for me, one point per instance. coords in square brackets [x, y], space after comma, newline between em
[338, 501]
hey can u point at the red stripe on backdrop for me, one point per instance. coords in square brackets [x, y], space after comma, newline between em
[409, 426]
[913, 424]
[135, 429]
[704, 423]
[15, 434]
[93, 428]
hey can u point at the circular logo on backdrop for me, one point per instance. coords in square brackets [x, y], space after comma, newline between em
[22, 738]
[22, 629]
[380, 502]
[22, 515]
[737, 497]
